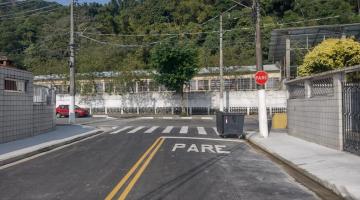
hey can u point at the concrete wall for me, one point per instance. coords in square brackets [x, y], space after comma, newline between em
[168, 99]
[317, 118]
[19, 117]
[43, 118]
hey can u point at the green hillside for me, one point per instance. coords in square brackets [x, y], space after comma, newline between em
[121, 34]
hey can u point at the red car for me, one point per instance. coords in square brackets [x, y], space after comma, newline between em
[63, 111]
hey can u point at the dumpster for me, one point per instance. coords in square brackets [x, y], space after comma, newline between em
[230, 124]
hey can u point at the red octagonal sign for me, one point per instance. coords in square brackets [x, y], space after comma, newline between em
[261, 77]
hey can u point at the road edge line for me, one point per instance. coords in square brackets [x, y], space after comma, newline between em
[17, 158]
[199, 138]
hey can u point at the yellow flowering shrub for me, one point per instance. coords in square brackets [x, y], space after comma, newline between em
[329, 55]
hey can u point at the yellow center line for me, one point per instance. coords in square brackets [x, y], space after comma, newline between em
[139, 173]
[131, 171]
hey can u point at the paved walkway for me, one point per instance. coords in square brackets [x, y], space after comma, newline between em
[337, 170]
[61, 135]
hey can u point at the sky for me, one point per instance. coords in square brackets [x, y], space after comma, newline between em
[66, 2]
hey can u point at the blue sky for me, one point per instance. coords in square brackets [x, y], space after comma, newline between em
[66, 2]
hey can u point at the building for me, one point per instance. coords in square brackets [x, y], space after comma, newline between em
[107, 92]
[25, 109]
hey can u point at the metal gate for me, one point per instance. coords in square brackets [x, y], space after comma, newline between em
[351, 117]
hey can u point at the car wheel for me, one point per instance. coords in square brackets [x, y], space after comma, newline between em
[77, 115]
[58, 115]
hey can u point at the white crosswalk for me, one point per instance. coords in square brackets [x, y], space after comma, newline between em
[168, 129]
[136, 129]
[215, 130]
[120, 130]
[201, 131]
[152, 129]
[183, 130]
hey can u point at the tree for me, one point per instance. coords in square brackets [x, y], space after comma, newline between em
[175, 65]
[331, 54]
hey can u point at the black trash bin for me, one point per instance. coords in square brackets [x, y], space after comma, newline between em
[230, 124]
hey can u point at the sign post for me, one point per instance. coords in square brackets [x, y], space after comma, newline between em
[261, 77]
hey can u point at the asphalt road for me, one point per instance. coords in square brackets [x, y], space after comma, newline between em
[152, 159]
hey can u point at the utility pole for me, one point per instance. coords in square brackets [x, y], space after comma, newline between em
[72, 66]
[221, 66]
[263, 124]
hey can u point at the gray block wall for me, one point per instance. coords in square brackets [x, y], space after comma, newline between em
[316, 120]
[19, 117]
[317, 116]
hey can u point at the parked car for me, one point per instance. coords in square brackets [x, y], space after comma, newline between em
[63, 111]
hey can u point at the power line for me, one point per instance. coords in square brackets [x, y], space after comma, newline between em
[32, 14]
[28, 11]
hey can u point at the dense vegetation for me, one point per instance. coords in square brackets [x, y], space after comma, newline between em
[329, 55]
[35, 33]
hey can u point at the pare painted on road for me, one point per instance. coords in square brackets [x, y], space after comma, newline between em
[200, 148]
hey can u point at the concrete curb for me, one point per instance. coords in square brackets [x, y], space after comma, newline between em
[188, 118]
[49, 147]
[99, 121]
[339, 191]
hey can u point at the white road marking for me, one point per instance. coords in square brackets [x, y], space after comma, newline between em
[136, 129]
[114, 127]
[207, 118]
[198, 138]
[146, 117]
[123, 129]
[201, 131]
[215, 130]
[150, 130]
[168, 129]
[184, 130]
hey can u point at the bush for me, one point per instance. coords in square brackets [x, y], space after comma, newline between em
[329, 55]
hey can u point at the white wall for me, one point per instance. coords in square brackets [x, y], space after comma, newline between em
[168, 99]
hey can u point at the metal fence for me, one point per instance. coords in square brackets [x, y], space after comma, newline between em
[351, 117]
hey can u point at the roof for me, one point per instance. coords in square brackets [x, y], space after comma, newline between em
[203, 71]
[307, 37]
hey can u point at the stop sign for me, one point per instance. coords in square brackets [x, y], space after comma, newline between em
[261, 77]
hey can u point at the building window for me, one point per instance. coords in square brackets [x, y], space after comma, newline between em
[15, 85]
[230, 84]
[244, 84]
[99, 88]
[203, 84]
[215, 85]
[193, 85]
[273, 83]
[143, 86]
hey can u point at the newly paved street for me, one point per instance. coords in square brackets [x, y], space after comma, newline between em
[152, 159]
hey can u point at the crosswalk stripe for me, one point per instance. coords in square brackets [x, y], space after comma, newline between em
[123, 129]
[215, 130]
[201, 131]
[168, 129]
[150, 130]
[136, 129]
[184, 130]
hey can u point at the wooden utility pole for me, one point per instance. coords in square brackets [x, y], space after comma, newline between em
[263, 124]
[72, 66]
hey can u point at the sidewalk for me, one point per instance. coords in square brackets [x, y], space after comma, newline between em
[62, 135]
[336, 170]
